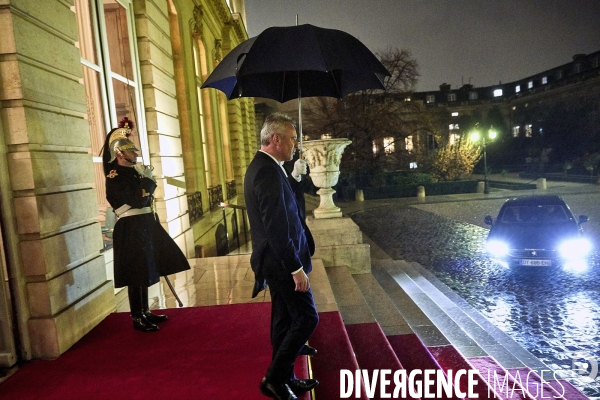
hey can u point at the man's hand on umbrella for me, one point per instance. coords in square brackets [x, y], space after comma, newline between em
[299, 168]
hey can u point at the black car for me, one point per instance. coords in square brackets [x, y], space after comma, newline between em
[538, 231]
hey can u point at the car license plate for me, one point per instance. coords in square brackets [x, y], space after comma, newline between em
[536, 263]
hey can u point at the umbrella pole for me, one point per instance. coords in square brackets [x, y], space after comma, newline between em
[299, 107]
[300, 114]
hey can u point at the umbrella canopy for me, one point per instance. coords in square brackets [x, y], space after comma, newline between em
[283, 63]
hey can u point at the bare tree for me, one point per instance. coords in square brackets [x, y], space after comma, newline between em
[377, 121]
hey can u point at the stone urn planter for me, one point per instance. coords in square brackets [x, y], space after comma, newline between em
[323, 158]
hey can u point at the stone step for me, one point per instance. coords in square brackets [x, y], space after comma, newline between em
[467, 335]
[349, 299]
[409, 310]
[487, 336]
[381, 306]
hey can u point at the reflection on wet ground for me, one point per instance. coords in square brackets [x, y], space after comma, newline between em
[553, 314]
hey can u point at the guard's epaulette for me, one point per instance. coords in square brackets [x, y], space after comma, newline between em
[112, 174]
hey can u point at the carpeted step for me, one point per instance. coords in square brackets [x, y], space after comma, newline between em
[436, 312]
[413, 354]
[499, 380]
[373, 352]
[301, 369]
[449, 358]
[335, 353]
[410, 348]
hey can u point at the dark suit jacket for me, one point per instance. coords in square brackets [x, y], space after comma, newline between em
[275, 222]
[299, 188]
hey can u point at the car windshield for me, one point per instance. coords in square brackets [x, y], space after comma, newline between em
[534, 214]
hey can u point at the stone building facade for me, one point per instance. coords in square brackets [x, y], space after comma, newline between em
[70, 70]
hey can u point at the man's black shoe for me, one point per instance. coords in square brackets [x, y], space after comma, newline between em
[308, 351]
[299, 386]
[278, 392]
[155, 318]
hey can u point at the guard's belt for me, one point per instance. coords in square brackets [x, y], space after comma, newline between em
[126, 211]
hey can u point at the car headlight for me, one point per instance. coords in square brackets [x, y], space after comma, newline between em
[575, 248]
[497, 248]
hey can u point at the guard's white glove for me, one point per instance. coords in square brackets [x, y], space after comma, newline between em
[299, 168]
[145, 170]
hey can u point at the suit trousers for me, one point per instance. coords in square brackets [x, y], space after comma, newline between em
[294, 318]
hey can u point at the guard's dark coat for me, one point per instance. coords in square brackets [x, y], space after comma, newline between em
[143, 250]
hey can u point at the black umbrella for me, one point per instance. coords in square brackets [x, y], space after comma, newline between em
[284, 63]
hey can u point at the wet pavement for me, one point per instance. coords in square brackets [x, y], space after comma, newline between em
[552, 313]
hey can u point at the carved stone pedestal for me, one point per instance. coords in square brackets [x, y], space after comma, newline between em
[339, 242]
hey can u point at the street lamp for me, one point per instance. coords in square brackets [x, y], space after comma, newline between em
[475, 137]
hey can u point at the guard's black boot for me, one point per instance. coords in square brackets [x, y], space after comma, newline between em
[155, 318]
[141, 323]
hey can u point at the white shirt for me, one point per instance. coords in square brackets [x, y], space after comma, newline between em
[281, 165]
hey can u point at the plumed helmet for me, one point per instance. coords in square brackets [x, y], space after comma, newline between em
[117, 141]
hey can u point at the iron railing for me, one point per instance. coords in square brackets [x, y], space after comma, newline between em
[231, 190]
[195, 206]
[215, 196]
[239, 213]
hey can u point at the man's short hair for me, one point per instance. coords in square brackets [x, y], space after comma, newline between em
[274, 123]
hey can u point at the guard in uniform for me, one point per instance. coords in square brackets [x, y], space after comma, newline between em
[143, 250]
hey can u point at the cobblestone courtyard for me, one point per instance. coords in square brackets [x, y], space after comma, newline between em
[553, 314]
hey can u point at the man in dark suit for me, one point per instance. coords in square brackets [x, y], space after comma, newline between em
[280, 256]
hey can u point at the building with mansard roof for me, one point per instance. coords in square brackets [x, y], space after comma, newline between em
[536, 115]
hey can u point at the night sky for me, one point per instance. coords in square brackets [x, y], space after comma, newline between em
[481, 42]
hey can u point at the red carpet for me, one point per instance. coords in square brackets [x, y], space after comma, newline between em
[487, 367]
[218, 352]
[450, 358]
[373, 351]
[413, 354]
[335, 353]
